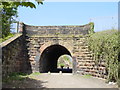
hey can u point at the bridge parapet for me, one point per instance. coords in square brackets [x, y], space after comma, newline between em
[57, 30]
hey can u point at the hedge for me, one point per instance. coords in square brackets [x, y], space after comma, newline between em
[105, 46]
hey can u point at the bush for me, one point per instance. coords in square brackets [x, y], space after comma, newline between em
[105, 46]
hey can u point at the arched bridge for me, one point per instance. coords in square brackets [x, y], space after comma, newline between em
[47, 43]
[39, 48]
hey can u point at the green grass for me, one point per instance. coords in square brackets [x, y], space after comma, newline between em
[15, 77]
[61, 64]
[6, 38]
[36, 73]
[18, 77]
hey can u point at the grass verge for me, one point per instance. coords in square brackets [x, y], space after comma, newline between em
[18, 77]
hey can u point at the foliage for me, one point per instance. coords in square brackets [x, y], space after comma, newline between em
[91, 31]
[80, 36]
[62, 65]
[105, 47]
[9, 12]
[64, 60]
[118, 82]
[6, 38]
[57, 33]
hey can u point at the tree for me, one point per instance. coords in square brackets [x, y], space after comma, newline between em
[9, 11]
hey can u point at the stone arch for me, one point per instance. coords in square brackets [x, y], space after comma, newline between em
[49, 57]
[48, 44]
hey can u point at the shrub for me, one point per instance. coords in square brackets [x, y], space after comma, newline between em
[105, 46]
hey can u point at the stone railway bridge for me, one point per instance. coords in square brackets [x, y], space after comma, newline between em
[39, 47]
[50, 42]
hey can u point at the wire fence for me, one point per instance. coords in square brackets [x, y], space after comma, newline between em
[16, 27]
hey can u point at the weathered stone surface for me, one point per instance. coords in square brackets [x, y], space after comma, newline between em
[14, 56]
[56, 30]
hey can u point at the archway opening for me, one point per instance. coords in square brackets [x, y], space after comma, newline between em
[49, 58]
[65, 64]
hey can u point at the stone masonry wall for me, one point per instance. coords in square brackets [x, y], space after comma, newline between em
[78, 48]
[35, 47]
[74, 38]
[14, 56]
[85, 62]
[53, 30]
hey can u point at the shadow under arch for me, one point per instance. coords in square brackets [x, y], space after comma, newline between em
[49, 57]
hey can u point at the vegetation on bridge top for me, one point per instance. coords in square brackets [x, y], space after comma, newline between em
[8, 39]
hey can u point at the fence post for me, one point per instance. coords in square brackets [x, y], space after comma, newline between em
[20, 27]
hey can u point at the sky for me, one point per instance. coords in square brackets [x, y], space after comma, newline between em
[103, 14]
